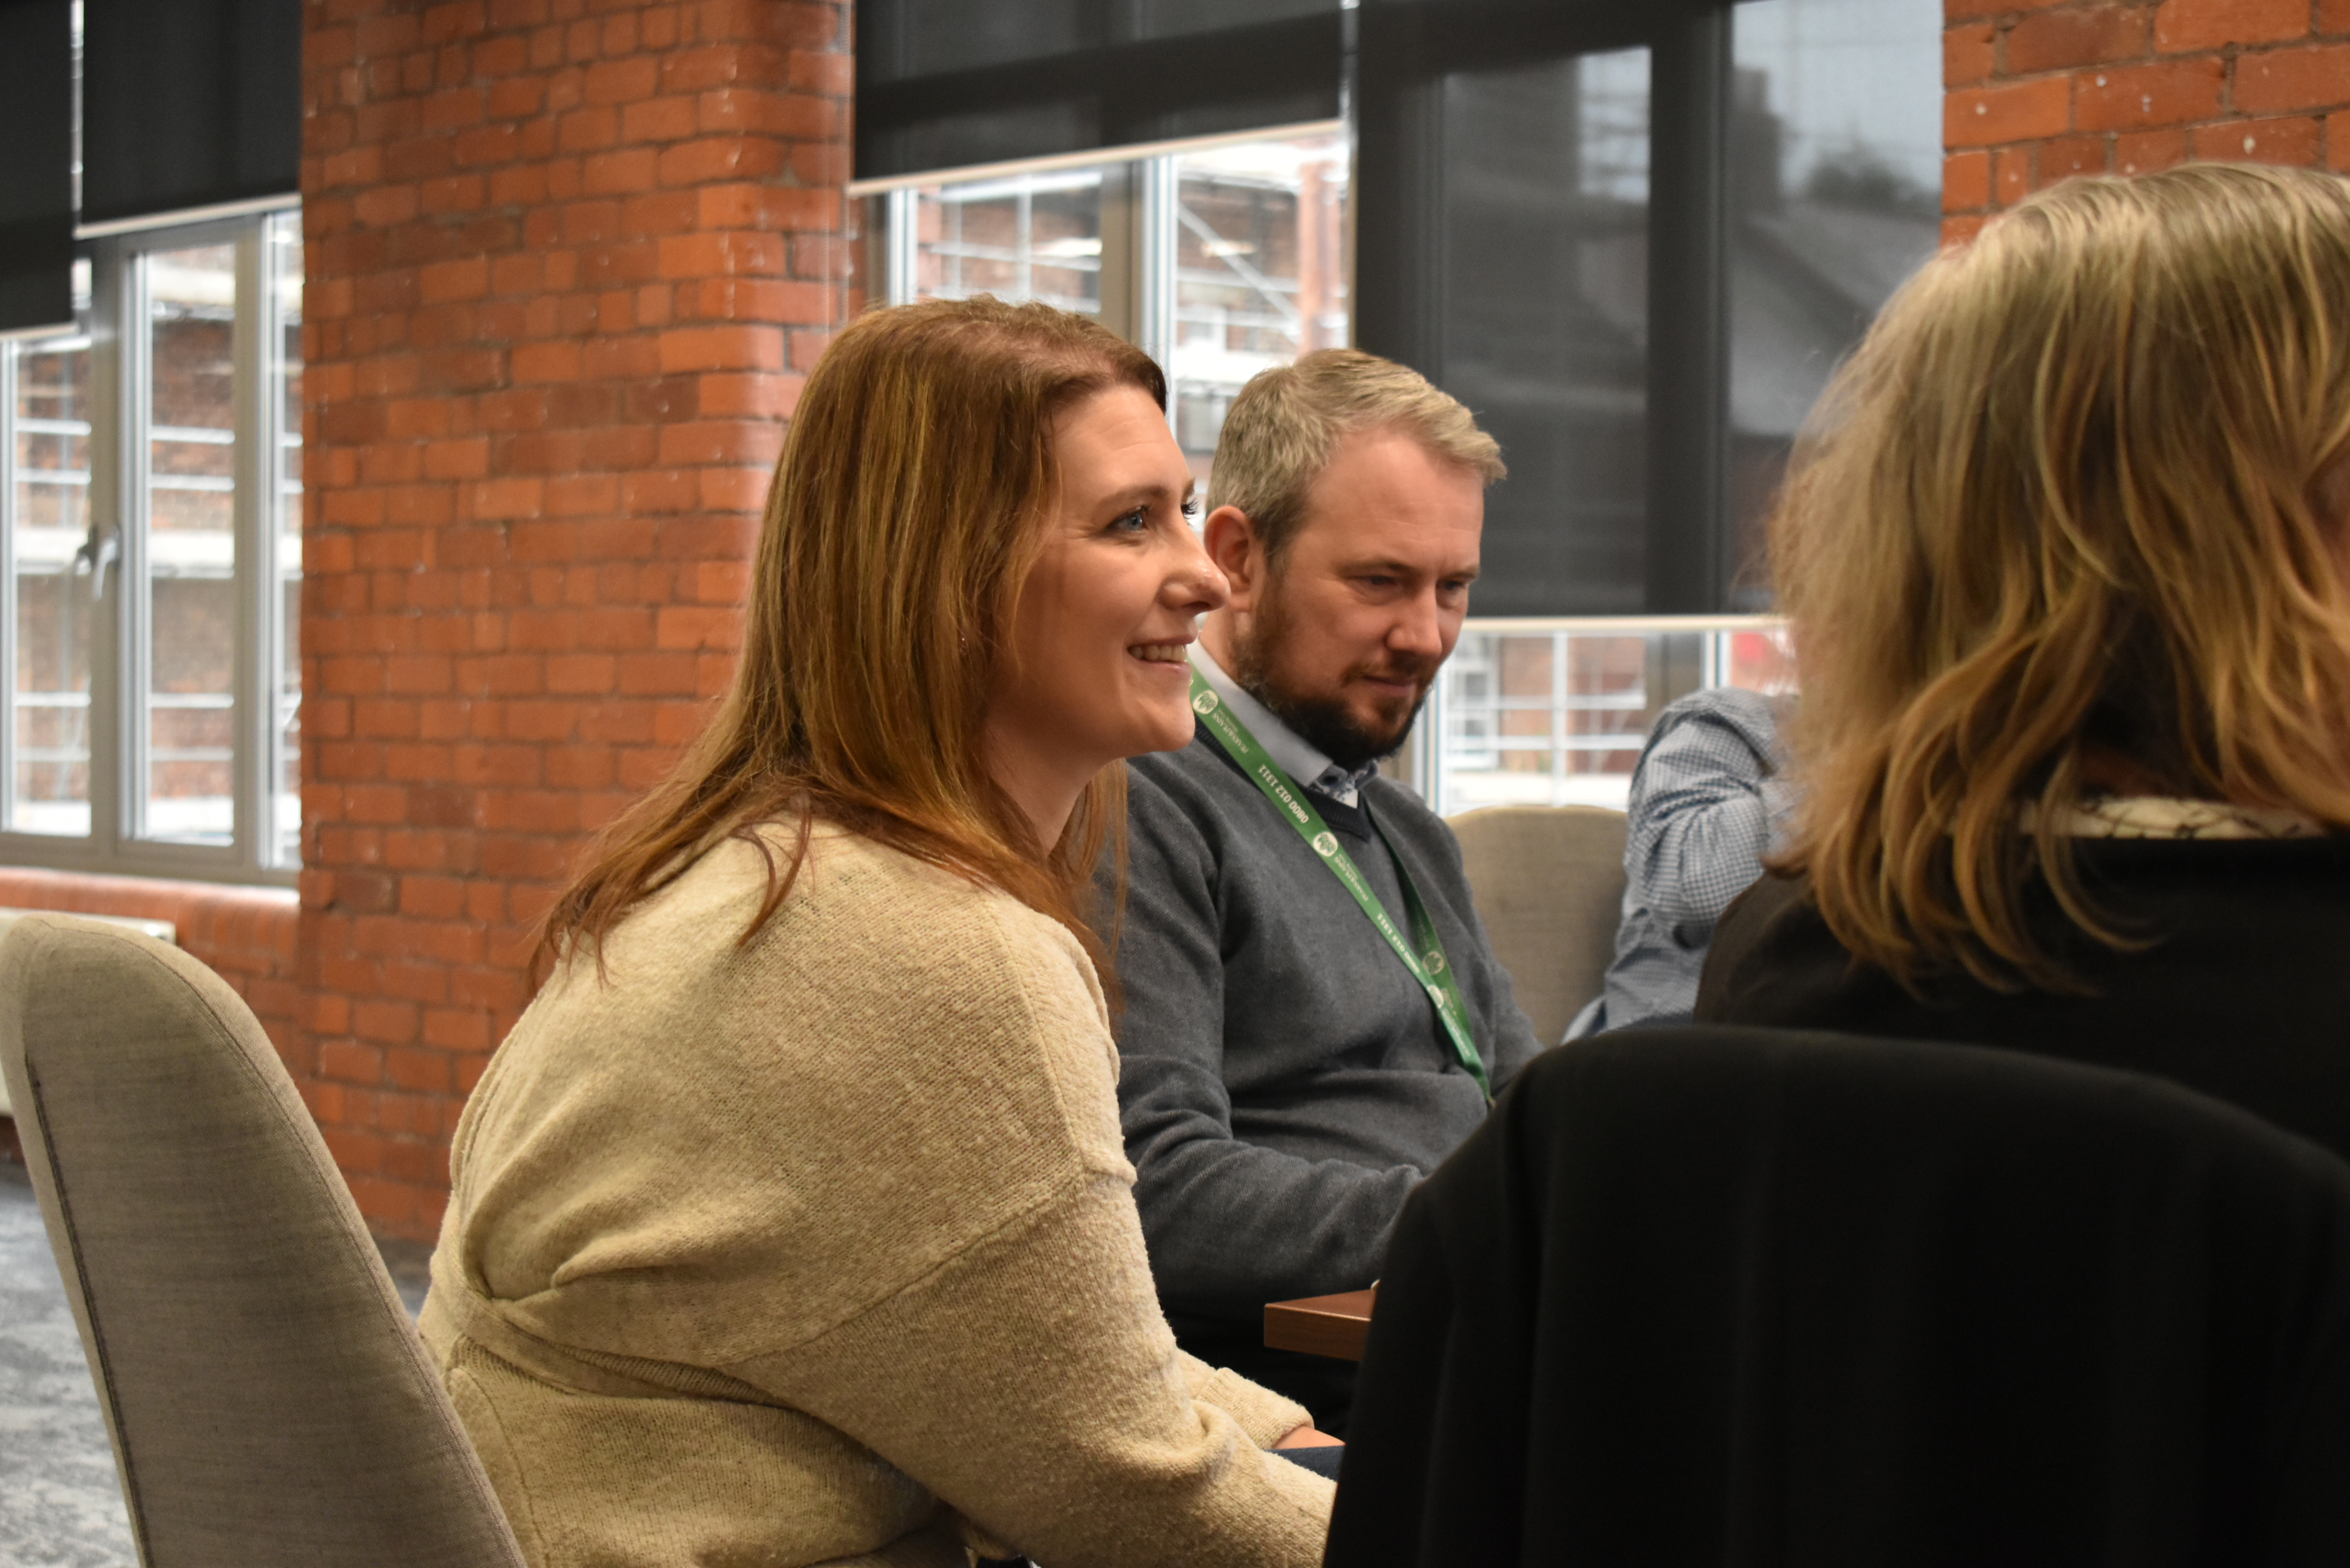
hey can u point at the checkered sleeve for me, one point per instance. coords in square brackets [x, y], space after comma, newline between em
[1703, 805]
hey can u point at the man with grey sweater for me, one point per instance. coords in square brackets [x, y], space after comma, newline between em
[1288, 1074]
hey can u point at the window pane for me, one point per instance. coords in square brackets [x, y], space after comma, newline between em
[285, 235]
[1542, 719]
[1544, 327]
[1535, 714]
[1835, 188]
[1762, 661]
[1260, 273]
[1029, 236]
[50, 522]
[190, 545]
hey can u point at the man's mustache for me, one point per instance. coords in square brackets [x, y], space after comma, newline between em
[1419, 671]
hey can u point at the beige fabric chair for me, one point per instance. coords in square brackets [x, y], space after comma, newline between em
[1549, 885]
[268, 1400]
[161, 930]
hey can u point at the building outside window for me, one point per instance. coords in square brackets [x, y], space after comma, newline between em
[1833, 199]
[1220, 258]
[151, 525]
[1259, 270]
[1554, 710]
[1635, 241]
[48, 406]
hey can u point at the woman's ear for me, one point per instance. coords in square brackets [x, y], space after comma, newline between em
[1234, 545]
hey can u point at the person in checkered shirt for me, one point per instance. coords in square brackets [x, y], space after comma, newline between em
[1706, 798]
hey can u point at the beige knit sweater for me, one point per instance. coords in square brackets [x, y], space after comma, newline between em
[824, 1249]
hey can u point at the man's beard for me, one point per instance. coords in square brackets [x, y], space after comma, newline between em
[1326, 723]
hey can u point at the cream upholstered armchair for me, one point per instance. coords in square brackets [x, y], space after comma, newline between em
[1549, 885]
[161, 930]
[268, 1400]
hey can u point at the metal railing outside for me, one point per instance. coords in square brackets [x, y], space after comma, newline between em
[1553, 712]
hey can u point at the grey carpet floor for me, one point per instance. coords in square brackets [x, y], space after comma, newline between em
[60, 1504]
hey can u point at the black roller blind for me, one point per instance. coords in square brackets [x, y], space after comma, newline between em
[1539, 188]
[944, 84]
[189, 103]
[36, 220]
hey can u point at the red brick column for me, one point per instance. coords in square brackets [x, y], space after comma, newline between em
[568, 263]
[2041, 91]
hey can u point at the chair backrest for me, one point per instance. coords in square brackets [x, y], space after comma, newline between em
[268, 1399]
[161, 930]
[1549, 884]
[1697, 1297]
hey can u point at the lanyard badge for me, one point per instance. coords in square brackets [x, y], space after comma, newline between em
[1423, 953]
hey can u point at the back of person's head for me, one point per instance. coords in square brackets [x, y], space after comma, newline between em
[2072, 508]
[908, 507]
[1281, 432]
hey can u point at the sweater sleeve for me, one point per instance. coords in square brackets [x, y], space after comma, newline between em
[1702, 802]
[1228, 1221]
[1030, 1380]
[1264, 1416]
[1033, 1386]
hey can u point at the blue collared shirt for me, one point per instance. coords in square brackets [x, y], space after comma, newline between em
[1292, 753]
[1705, 806]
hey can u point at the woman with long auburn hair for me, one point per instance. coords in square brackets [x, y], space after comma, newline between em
[2065, 553]
[791, 1224]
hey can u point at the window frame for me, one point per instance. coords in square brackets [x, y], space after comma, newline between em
[1408, 49]
[1394, 59]
[118, 551]
[1140, 206]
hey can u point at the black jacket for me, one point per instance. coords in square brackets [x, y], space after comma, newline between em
[1716, 1297]
[2243, 993]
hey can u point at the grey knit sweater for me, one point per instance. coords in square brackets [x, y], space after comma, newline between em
[1283, 1083]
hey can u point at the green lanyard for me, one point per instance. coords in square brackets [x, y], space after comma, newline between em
[1424, 954]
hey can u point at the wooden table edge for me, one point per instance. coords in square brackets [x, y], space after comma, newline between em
[1335, 1325]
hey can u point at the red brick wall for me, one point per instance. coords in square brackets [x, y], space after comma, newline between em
[2038, 91]
[568, 263]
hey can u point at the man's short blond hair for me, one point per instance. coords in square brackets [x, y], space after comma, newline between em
[1288, 421]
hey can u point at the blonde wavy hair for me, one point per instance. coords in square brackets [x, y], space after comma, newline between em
[2074, 504]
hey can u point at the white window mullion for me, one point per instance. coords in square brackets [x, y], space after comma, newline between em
[133, 588]
[9, 607]
[901, 210]
[1155, 240]
[254, 524]
[1425, 761]
[281, 770]
[118, 314]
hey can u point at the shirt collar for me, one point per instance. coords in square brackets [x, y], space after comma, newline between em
[1296, 755]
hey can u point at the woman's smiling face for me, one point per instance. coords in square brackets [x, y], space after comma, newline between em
[1096, 666]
